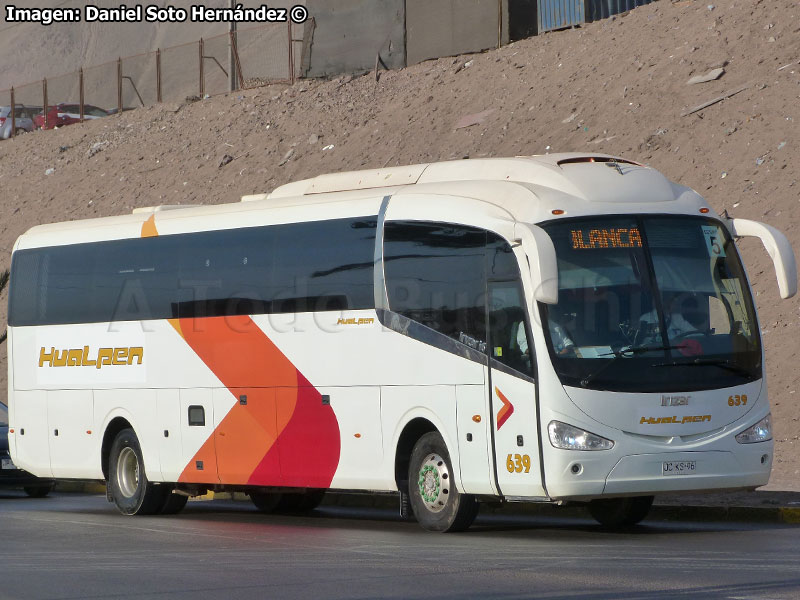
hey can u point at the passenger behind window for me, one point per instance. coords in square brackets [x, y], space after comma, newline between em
[682, 318]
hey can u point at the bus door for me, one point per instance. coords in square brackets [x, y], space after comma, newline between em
[512, 393]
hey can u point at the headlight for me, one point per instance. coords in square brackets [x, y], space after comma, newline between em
[568, 437]
[760, 432]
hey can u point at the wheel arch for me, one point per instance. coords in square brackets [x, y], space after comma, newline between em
[113, 428]
[412, 431]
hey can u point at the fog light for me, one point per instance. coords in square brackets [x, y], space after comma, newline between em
[576, 468]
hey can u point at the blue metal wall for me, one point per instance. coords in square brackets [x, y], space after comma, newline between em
[601, 9]
[557, 14]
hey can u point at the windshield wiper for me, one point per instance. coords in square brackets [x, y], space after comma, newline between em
[711, 362]
[626, 352]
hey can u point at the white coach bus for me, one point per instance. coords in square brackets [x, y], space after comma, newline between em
[560, 328]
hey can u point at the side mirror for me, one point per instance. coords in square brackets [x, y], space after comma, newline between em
[541, 255]
[778, 248]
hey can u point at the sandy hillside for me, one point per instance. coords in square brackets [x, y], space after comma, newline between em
[615, 86]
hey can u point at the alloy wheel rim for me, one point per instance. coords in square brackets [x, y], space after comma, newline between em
[434, 483]
[128, 472]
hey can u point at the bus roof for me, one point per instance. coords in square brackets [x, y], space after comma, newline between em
[526, 189]
[577, 183]
[547, 170]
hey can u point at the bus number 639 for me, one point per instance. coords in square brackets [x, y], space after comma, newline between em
[518, 462]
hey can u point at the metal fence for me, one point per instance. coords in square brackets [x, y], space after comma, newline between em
[560, 14]
[602, 9]
[237, 60]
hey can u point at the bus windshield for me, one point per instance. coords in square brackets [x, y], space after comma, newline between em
[650, 303]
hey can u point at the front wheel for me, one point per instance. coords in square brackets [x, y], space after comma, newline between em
[130, 489]
[620, 512]
[437, 504]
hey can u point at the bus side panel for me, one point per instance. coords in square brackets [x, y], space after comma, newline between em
[358, 411]
[12, 439]
[170, 450]
[352, 348]
[246, 438]
[474, 445]
[30, 430]
[74, 443]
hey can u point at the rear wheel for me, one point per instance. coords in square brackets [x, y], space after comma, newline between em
[266, 502]
[620, 512]
[300, 501]
[38, 491]
[128, 484]
[437, 504]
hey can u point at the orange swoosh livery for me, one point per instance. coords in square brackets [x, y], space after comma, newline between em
[278, 432]
[505, 411]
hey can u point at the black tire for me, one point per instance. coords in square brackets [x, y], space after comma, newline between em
[127, 481]
[617, 513]
[38, 491]
[266, 502]
[435, 501]
[173, 504]
[300, 501]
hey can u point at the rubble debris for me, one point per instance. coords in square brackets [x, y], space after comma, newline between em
[473, 119]
[715, 100]
[710, 76]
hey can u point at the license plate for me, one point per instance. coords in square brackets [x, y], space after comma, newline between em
[679, 467]
[7, 464]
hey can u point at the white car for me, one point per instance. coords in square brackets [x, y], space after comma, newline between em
[22, 122]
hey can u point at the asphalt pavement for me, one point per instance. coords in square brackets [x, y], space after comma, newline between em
[77, 546]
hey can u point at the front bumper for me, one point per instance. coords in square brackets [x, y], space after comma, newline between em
[643, 474]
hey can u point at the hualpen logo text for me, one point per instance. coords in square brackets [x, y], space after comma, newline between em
[82, 357]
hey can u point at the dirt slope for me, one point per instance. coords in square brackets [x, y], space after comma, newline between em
[615, 86]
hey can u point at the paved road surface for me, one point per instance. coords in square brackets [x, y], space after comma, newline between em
[77, 546]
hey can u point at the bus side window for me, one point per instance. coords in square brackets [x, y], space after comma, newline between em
[509, 338]
[435, 275]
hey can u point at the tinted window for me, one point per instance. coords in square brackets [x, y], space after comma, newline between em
[436, 275]
[650, 303]
[509, 338]
[501, 261]
[297, 267]
[317, 268]
[510, 344]
[93, 111]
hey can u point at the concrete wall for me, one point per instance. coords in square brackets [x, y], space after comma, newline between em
[348, 35]
[450, 27]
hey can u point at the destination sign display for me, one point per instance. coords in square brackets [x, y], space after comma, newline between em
[589, 239]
